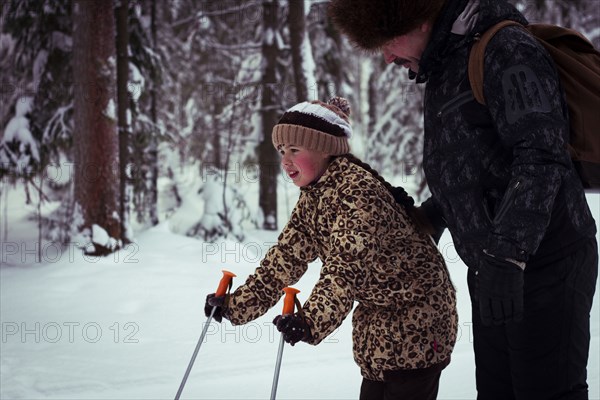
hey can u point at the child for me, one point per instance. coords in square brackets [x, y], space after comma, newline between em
[404, 327]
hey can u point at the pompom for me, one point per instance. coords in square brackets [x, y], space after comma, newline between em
[340, 103]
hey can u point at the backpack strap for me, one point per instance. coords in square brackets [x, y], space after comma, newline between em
[476, 58]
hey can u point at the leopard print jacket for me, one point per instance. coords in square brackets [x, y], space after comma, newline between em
[372, 254]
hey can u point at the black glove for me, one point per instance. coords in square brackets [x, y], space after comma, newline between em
[431, 219]
[500, 291]
[218, 302]
[293, 327]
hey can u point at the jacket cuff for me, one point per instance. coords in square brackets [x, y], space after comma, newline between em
[311, 339]
[502, 247]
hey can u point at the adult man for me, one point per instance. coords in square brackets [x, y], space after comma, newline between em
[503, 184]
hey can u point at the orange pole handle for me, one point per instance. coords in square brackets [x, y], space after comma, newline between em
[289, 302]
[224, 283]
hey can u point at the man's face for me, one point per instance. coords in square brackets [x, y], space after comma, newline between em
[406, 50]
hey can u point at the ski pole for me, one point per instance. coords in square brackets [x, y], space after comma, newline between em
[224, 284]
[288, 308]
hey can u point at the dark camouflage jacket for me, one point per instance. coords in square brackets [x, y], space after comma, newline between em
[371, 253]
[500, 175]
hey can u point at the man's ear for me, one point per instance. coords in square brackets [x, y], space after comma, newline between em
[426, 26]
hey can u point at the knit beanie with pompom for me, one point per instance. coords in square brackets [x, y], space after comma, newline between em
[316, 126]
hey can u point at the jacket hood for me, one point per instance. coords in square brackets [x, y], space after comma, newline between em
[447, 36]
[493, 11]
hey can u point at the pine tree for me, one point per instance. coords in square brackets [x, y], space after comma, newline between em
[37, 67]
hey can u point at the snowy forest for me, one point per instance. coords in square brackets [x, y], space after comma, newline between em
[136, 163]
[109, 107]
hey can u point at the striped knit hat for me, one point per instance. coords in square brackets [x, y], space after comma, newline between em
[316, 126]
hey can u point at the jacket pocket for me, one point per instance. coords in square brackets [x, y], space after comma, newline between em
[507, 201]
[456, 102]
[486, 210]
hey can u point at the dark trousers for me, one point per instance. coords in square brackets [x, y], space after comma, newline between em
[421, 387]
[545, 356]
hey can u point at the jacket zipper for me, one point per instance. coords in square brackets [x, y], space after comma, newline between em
[506, 202]
[456, 102]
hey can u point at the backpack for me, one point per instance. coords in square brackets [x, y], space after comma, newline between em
[578, 65]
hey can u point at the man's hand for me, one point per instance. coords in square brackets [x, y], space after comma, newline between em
[500, 291]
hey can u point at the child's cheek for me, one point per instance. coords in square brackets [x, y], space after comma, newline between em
[303, 163]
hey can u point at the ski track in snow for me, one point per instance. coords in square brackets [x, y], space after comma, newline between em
[125, 327]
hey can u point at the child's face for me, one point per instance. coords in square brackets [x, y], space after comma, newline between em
[301, 165]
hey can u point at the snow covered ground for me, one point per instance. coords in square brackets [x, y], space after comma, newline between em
[125, 326]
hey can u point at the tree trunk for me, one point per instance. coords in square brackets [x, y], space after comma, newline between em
[335, 73]
[216, 137]
[122, 44]
[373, 112]
[96, 143]
[153, 150]
[297, 25]
[268, 157]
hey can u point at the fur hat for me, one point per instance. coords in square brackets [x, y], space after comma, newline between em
[369, 24]
[316, 126]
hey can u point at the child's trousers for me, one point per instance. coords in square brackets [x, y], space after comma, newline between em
[420, 384]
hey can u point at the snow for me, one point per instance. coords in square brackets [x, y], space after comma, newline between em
[111, 110]
[39, 65]
[23, 106]
[136, 82]
[268, 36]
[58, 125]
[62, 41]
[309, 67]
[279, 41]
[17, 129]
[101, 237]
[7, 44]
[125, 326]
